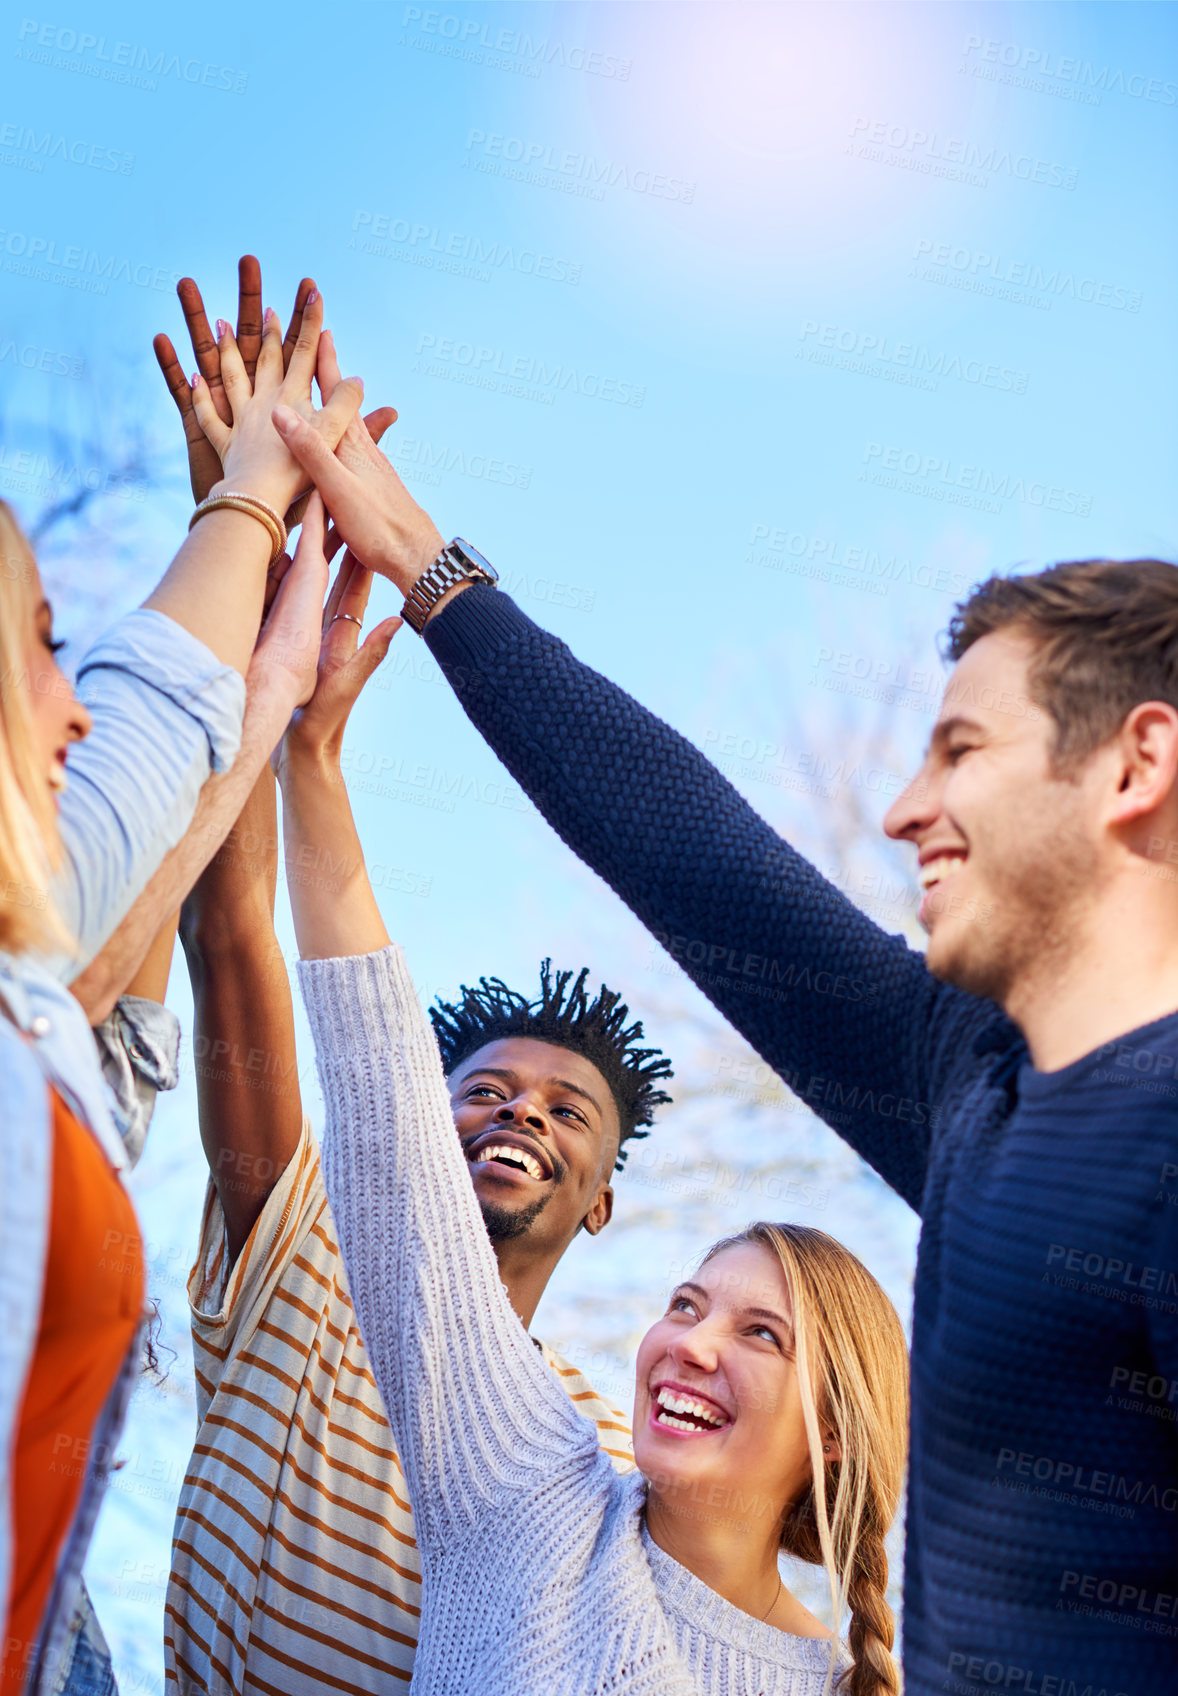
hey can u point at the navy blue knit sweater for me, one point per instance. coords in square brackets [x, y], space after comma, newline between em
[1042, 1534]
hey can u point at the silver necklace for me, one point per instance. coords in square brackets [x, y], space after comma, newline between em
[774, 1602]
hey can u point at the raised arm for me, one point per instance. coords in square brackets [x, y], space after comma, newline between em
[247, 1081]
[281, 675]
[848, 1016]
[470, 1401]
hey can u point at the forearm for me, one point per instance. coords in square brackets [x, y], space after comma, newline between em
[164, 710]
[245, 1059]
[335, 911]
[269, 701]
[150, 979]
[215, 585]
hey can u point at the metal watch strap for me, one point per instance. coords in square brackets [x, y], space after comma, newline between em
[449, 568]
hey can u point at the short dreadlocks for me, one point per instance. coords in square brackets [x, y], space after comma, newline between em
[564, 1016]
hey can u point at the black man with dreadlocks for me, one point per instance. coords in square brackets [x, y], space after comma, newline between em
[497, 1050]
[295, 1566]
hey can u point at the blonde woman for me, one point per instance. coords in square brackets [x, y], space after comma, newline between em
[95, 789]
[770, 1405]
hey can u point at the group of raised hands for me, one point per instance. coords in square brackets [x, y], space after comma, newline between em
[252, 429]
[251, 426]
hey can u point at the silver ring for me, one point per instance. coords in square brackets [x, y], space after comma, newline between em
[359, 623]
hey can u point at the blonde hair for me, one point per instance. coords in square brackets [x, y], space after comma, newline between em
[30, 846]
[852, 1367]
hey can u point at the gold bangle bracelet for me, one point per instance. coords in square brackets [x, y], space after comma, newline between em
[253, 508]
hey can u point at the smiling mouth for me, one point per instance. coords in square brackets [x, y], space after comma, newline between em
[679, 1412]
[512, 1158]
[937, 870]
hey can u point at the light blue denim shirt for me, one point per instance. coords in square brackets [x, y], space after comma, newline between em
[165, 713]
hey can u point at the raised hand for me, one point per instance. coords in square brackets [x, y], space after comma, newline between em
[254, 458]
[344, 666]
[381, 523]
[335, 913]
[204, 466]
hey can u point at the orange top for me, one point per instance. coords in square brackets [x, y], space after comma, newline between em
[90, 1309]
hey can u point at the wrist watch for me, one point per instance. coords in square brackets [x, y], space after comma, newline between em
[458, 562]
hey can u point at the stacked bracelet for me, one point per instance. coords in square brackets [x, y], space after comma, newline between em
[251, 505]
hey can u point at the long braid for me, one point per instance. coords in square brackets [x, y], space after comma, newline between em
[872, 1630]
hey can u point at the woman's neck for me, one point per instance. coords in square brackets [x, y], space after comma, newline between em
[737, 1558]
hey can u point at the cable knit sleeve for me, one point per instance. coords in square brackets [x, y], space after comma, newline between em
[848, 1016]
[475, 1411]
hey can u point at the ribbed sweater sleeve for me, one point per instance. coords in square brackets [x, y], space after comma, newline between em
[849, 1017]
[474, 1410]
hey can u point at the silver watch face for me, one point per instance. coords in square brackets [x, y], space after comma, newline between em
[473, 558]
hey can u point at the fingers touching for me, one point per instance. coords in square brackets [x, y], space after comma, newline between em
[301, 367]
[249, 312]
[238, 386]
[208, 417]
[204, 345]
[305, 289]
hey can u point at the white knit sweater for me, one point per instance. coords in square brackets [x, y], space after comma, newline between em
[538, 1575]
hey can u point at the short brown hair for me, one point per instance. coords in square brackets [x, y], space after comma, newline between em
[1106, 638]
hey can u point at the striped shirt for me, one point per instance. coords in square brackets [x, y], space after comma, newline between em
[294, 1561]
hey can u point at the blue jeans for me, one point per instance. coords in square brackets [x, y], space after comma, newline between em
[90, 1672]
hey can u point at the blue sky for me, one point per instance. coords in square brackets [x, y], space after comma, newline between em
[740, 338]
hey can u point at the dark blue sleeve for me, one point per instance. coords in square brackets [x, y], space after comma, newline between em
[849, 1017]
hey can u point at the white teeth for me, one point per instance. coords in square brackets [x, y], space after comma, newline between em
[679, 1424]
[936, 869]
[670, 1403]
[515, 1157]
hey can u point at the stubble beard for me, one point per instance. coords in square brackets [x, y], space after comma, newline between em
[1037, 905]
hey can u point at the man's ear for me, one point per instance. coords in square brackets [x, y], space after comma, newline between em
[601, 1212]
[1148, 749]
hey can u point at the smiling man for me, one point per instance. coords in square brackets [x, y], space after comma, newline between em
[295, 1566]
